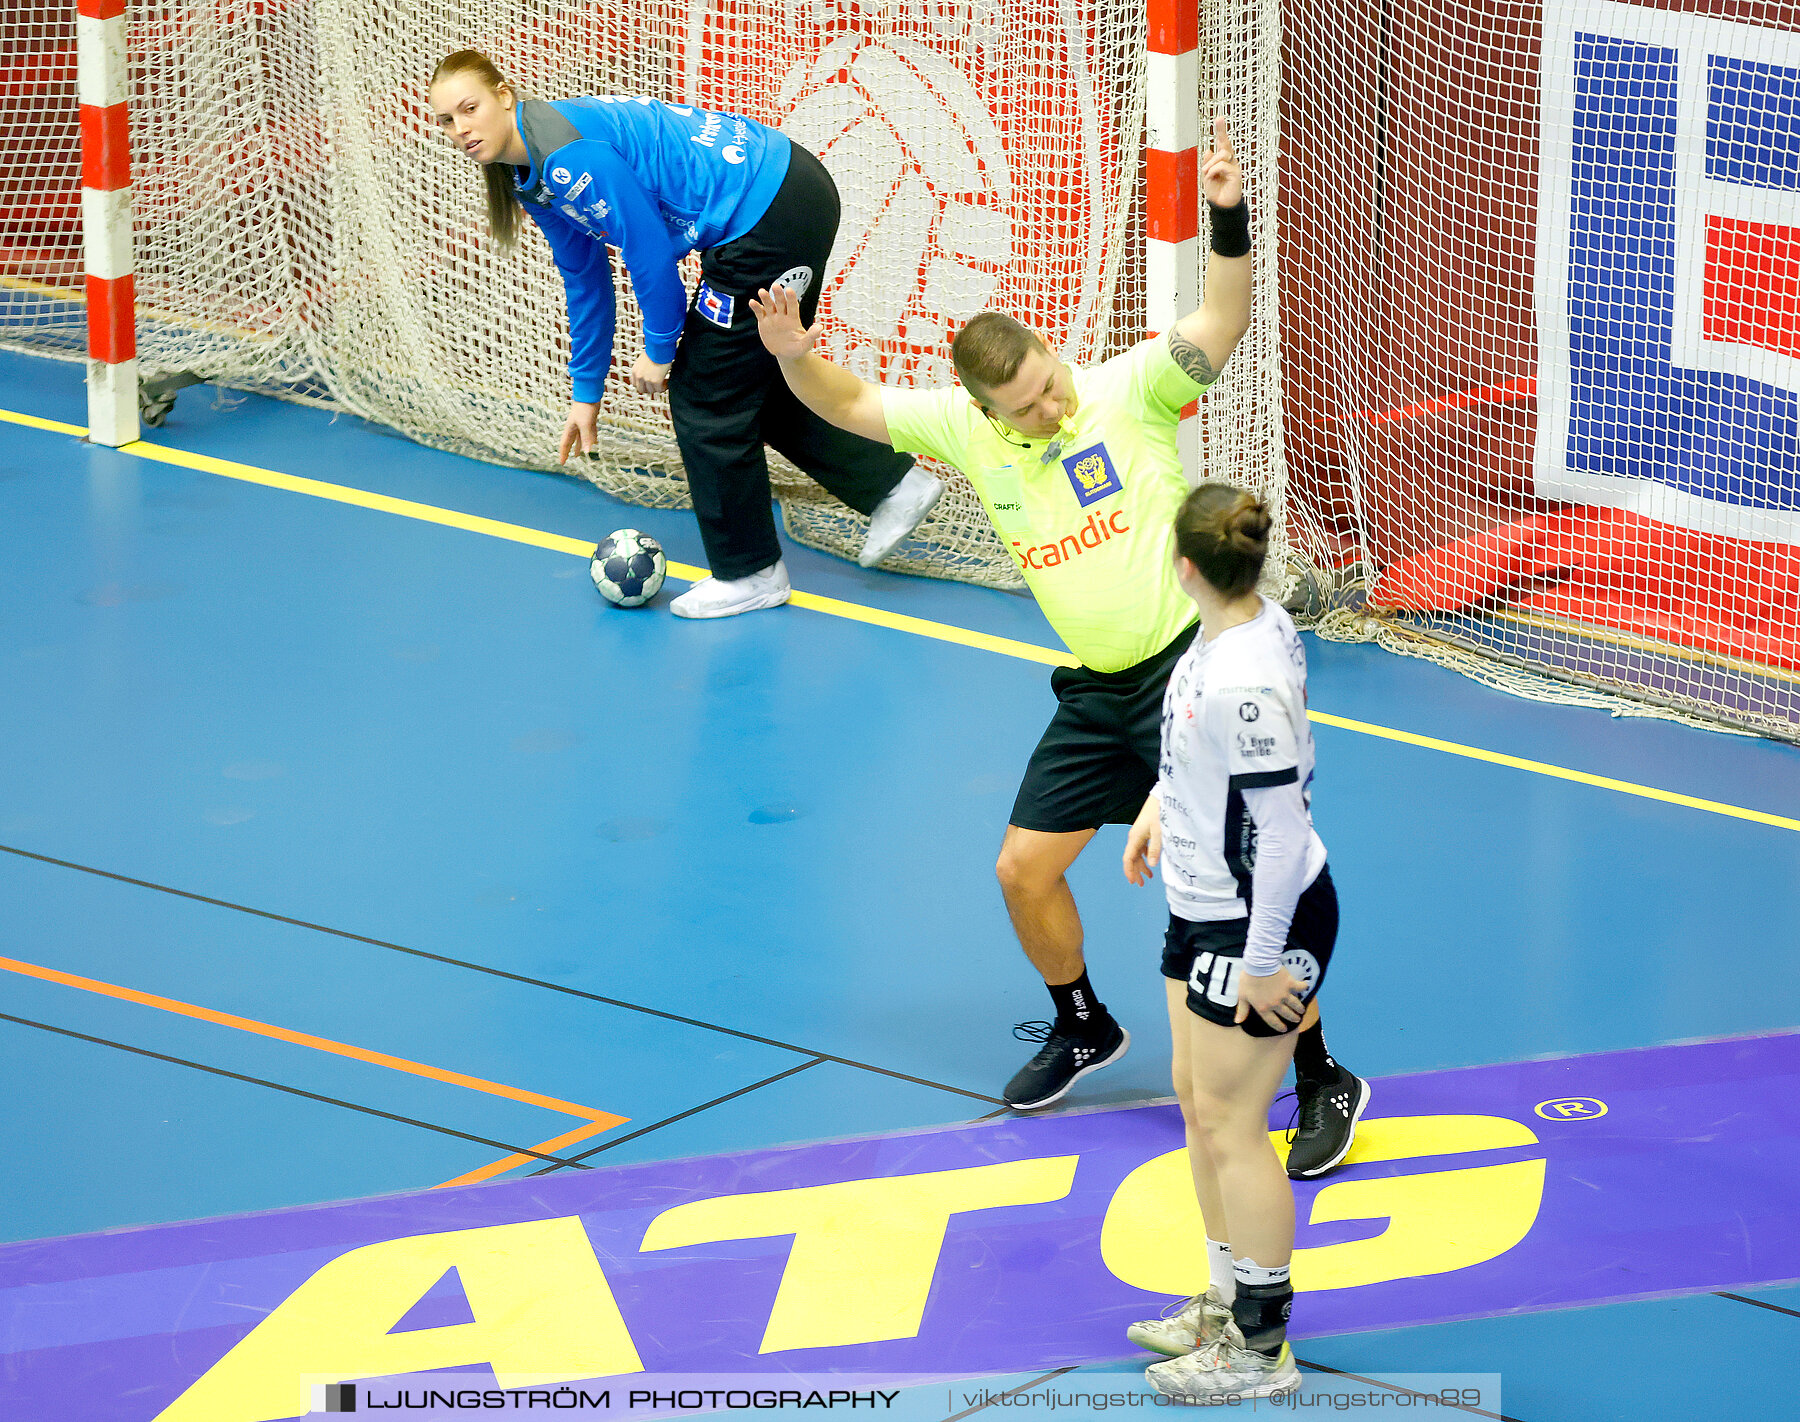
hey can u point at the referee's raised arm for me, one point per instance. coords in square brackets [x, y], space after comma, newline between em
[830, 392]
[1203, 340]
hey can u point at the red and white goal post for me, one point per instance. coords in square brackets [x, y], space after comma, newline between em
[103, 86]
[1521, 379]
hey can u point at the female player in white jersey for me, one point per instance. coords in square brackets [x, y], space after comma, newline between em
[1252, 920]
[657, 180]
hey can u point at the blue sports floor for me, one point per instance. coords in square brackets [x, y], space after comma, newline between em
[336, 839]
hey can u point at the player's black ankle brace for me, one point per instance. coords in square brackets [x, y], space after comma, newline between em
[1231, 229]
[1078, 1013]
[1311, 1058]
[1261, 1314]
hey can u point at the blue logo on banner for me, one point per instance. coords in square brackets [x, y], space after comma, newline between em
[1091, 474]
[715, 306]
[1682, 263]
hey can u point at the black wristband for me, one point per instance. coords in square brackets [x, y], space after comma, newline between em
[1231, 229]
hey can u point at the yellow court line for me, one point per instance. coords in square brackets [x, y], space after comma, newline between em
[1644, 644]
[517, 533]
[37, 288]
[78, 295]
[362, 498]
[833, 607]
[942, 631]
[603, 1119]
[343, 494]
[1538, 767]
[53, 426]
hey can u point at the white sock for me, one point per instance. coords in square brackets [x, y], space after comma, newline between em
[1245, 1271]
[1219, 1267]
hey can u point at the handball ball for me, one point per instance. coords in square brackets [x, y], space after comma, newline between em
[629, 567]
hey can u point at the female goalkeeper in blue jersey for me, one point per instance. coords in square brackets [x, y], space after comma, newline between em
[658, 180]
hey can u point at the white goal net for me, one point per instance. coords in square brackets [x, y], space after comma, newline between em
[300, 227]
[1538, 371]
[1524, 376]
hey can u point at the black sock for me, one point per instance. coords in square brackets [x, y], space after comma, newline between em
[1261, 1314]
[1077, 1012]
[1311, 1059]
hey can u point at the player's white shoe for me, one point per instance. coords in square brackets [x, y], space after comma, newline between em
[1225, 1368]
[711, 598]
[1194, 1324]
[899, 514]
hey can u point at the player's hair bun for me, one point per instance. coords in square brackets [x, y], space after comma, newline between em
[1245, 525]
[1224, 532]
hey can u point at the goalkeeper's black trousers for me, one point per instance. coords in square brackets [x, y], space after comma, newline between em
[727, 397]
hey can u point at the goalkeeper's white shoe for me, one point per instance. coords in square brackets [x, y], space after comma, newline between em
[899, 514]
[1197, 1322]
[711, 598]
[1223, 1369]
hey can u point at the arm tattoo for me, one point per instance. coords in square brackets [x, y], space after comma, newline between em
[1191, 359]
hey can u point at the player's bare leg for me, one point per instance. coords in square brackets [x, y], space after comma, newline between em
[1083, 1037]
[1244, 1196]
[1201, 1318]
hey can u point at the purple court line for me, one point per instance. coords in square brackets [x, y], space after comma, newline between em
[1685, 1183]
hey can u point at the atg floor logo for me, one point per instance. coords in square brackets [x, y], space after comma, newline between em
[975, 1251]
[1668, 274]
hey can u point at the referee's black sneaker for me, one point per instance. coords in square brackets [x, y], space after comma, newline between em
[1064, 1060]
[1328, 1112]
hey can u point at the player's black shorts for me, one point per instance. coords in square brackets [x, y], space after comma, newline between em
[1208, 956]
[1097, 760]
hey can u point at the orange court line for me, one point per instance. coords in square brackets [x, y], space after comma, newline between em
[542, 1148]
[603, 1120]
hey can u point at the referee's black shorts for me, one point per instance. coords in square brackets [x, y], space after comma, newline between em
[1098, 757]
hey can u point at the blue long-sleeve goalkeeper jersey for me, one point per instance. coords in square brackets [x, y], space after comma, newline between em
[655, 180]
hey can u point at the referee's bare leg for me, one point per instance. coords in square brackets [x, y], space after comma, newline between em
[1084, 1037]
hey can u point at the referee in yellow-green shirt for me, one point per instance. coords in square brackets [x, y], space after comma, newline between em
[1079, 471]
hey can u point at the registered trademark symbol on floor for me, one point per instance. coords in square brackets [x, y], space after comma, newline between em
[1571, 1108]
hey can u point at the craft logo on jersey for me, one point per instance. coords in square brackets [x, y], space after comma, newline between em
[1091, 474]
[1669, 268]
[715, 306]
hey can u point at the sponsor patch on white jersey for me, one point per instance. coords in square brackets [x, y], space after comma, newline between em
[1251, 744]
[1234, 719]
